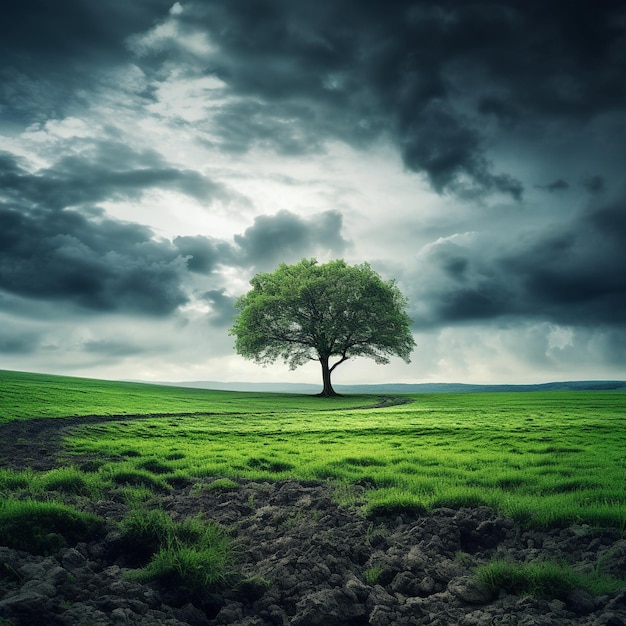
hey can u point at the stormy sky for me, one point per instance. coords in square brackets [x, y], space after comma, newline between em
[154, 156]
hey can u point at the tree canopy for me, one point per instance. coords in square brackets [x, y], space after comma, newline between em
[309, 311]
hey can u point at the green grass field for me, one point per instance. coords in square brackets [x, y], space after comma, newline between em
[543, 458]
[24, 396]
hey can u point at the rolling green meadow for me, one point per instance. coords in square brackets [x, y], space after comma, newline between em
[545, 458]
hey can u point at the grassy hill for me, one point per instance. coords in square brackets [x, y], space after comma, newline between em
[548, 457]
[26, 395]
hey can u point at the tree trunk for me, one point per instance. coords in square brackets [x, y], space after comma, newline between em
[328, 391]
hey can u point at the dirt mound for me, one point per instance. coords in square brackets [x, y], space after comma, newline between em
[303, 560]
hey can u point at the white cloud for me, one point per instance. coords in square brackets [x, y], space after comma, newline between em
[168, 36]
[187, 99]
[176, 9]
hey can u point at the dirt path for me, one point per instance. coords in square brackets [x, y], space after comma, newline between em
[38, 442]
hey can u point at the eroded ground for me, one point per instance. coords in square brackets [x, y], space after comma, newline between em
[301, 560]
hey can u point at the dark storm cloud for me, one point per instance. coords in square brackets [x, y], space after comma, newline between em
[47, 34]
[576, 277]
[286, 237]
[222, 307]
[106, 265]
[572, 277]
[438, 79]
[104, 171]
[203, 254]
[50, 252]
[270, 240]
[432, 77]
[99, 264]
[50, 52]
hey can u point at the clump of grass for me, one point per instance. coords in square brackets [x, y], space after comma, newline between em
[541, 579]
[361, 461]
[178, 479]
[375, 534]
[155, 466]
[266, 465]
[327, 473]
[14, 481]
[196, 530]
[192, 569]
[147, 530]
[65, 479]
[609, 514]
[223, 484]
[139, 478]
[457, 501]
[135, 496]
[561, 511]
[130, 453]
[372, 575]
[391, 503]
[194, 555]
[92, 465]
[510, 483]
[45, 527]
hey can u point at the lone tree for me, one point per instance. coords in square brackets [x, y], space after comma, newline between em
[317, 312]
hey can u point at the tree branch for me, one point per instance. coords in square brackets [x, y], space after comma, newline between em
[343, 358]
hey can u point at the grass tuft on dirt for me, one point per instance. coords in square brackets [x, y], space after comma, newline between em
[542, 579]
[194, 556]
[45, 527]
